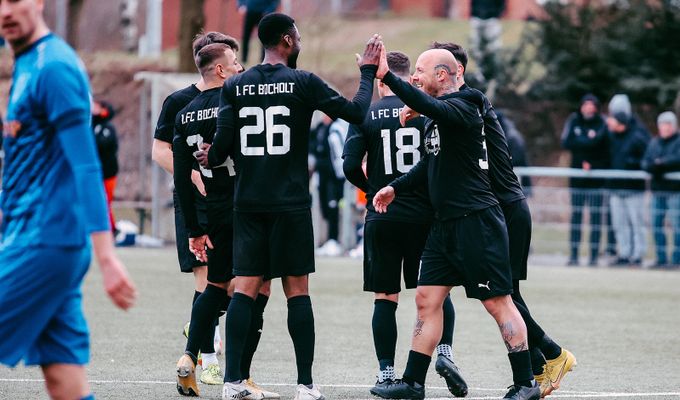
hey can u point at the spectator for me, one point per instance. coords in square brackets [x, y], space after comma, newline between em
[621, 103]
[517, 148]
[252, 12]
[485, 34]
[585, 135]
[328, 139]
[627, 146]
[663, 155]
[107, 148]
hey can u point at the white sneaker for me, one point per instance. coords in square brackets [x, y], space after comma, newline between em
[330, 249]
[302, 392]
[238, 391]
[358, 251]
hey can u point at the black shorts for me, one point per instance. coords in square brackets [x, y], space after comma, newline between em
[273, 244]
[389, 245]
[518, 221]
[187, 260]
[221, 233]
[471, 251]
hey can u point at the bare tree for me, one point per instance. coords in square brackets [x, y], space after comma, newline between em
[192, 20]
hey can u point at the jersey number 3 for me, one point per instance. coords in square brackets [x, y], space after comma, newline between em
[264, 122]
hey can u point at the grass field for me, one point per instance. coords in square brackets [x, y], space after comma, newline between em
[622, 325]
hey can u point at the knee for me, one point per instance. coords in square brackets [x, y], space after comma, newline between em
[266, 288]
[56, 388]
[495, 305]
[426, 302]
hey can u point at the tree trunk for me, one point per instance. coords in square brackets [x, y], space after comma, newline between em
[73, 21]
[192, 20]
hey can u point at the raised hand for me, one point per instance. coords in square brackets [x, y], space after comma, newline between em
[372, 52]
[383, 68]
[406, 114]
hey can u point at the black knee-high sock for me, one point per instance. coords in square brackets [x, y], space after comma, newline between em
[416, 367]
[196, 294]
[521, 368]
[537, 360]
[385, 331]
[239, 314]
[536, 336]
[203, 315]
[449, 321]
[301, 329]
[254, 334]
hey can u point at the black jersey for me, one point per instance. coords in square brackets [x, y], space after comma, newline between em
[456, 166]
[196, 124]
[392, 151]
[264, 120]
[504, 182]
[165, 127]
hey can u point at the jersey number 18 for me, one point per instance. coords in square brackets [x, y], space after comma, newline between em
[402, 149]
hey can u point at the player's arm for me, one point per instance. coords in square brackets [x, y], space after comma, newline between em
[417, 176]
[161, 149]
[161, 153]
[66, 103]
[353, 155]
[223, 142]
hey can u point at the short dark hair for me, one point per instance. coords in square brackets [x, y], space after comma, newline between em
[208, 54]
[273, 27]
[205, 38]
[399, 63]
[457, 50]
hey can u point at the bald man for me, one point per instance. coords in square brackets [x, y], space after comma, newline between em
[468, 241]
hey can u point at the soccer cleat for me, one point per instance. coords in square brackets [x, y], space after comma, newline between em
[212, 375]
[238, 391]
[252, 386]
[302, 392]
[451, 374]
[186, 377]
[399, 389]
[518, 392]
[555, 370]
[380, 385]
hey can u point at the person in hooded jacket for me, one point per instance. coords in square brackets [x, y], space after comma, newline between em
[107, 148]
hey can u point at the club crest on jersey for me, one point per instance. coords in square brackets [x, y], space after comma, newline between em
[432, 141]
[11, 129]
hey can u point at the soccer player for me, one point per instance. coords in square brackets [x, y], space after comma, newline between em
[264, 120]
[396, 238]
[195, 124]
[161, 152]
[468, 242]
[549, 361]
[53, 206]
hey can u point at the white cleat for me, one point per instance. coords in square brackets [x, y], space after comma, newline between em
[302, 392]
[239, 391]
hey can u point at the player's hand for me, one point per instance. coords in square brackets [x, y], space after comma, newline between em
[199, 245]
[117, 283]
[383, 68]
[383, 198]
[371, 52]
[202, 155]
[198, 182]
[406, 114]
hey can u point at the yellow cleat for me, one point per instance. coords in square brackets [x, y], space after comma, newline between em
[186, 377]
[212, 375]
[265, 394]
[553, 372]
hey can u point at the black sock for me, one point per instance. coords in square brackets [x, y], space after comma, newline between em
[535, 333]
[449, 321]
[196, 294]
[416, 368]
[537, 360]
[238, 315]
[550, 349]
[203, 315]
[385, 331]
[254, 334]
[301, 329]
[520, 362]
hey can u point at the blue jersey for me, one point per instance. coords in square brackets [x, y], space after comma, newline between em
[52, 182]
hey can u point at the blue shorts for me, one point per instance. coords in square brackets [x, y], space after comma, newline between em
[41, 316]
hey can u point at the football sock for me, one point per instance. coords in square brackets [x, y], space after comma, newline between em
[449, 323]
[196, 294]
[537, 360]
[208, 360]
[386, 372]
[238, 315]
[536, 336]
[550, 349]
[521, 368]
[254, 334]
[203, 315]
[416, 368]
[385, 332]
[301, 329]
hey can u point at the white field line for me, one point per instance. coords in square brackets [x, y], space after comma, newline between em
[562, 394]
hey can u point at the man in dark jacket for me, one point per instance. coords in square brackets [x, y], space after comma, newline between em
[663, 155]
[107, 148]
[585, 135]
[627, 146]
[252, 12]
